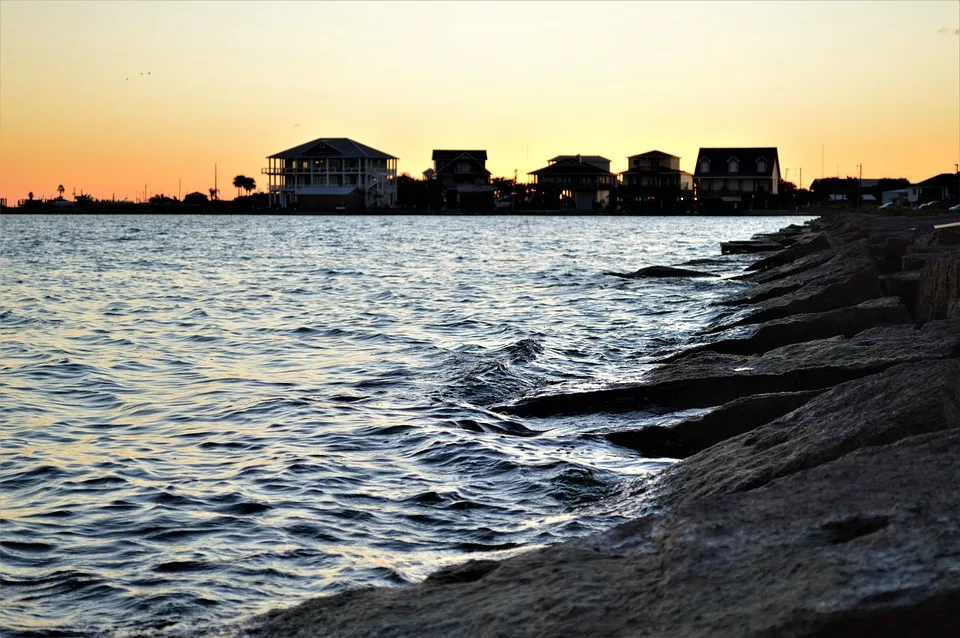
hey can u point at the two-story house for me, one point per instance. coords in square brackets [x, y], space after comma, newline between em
[733, 178]
[586, 179]
[464, 178]
[332, 174]
[653, 180]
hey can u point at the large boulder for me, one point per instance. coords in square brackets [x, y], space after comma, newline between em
[743, 247]
[661, 271]
[800, 265]
[938, 295]
[687, 437]
[846, 321]
[903, 401]
[816, 296]
[708, 379]
[848, 261]
[801, 248]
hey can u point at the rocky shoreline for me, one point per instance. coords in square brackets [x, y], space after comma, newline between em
[818, 497]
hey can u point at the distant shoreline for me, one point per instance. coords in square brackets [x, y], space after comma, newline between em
[809, 212]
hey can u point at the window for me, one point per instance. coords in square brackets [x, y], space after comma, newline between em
[761, 165]
[704, 165]
[732, 165]
[463, 167]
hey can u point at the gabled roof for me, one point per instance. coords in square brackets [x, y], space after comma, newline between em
[342, 147]
[448, 167]
[570, 166]
[943, 180]
[452, 155]
[653, 154]
[589, 159]
[746, 158]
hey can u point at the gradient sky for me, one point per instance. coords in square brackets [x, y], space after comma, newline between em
[232, 82]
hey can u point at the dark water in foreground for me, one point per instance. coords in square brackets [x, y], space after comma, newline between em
[205, 417]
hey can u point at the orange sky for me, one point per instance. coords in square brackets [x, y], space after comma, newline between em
[230, 83]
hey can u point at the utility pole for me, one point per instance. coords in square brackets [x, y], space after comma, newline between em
[513, 201]
[859, 181]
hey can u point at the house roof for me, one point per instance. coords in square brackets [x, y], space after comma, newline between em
[447, 155]
[583, 158]
[943, 180]
[332, 147]
[570, 166]
[449, 166]
[653, 154]
[747, 158]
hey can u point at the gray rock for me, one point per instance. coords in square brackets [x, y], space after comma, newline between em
[661, 271]
[690, 436]
[816, 296]
[917, 260]
[846, 321]
[804, 263]
[749, 246]
[848, 261]
[903, 401]
[803, 247]
[938, 295]
[708, 379]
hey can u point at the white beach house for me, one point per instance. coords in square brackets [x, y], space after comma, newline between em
[332, 174]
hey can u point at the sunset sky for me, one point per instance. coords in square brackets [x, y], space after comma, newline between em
[106, 97]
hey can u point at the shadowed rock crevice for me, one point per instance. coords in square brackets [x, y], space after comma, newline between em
[848, 529]
[688, 437]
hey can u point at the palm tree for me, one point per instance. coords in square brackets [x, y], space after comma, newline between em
[214, 192]
[60, 190]
[239, 182]
[30, 195]
[249, 184]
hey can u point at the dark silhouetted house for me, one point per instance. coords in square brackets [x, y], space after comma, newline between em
[944, 187]
[733, 178]
[464, 179]
[586, 179]
[332, 174]
[654, 181]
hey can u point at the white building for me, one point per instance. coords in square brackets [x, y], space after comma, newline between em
[332, 174]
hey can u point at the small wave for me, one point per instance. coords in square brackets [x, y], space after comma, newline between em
[248, 508]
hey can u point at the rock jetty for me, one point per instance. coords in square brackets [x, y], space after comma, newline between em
[818, 496]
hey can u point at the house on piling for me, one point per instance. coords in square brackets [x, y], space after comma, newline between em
[584, 179]
[331, 174]
[736, 178]
[464, 179]
[653, 181]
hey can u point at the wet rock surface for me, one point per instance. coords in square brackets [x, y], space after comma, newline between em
[846, 321]
[816, 498]
[661, 271]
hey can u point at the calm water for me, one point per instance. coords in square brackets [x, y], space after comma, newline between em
[205, 417]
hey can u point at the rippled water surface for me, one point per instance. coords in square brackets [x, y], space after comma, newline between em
[205, 417]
